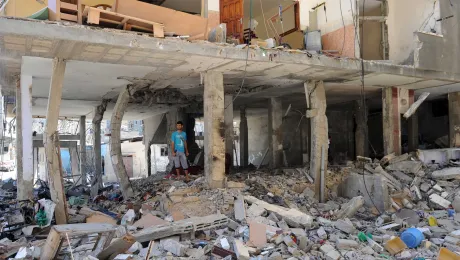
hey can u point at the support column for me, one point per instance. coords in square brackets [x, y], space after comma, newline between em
[83, 149]
[35, 158]
[391, 121]
[244, 147]
[454, 119]
[412, 125]
[361, 133]
[97, 119]
[51, 142]
[214, 129]
[228, 117]
[275, 133]
[115, 142]
[316, 103]
[24, 152]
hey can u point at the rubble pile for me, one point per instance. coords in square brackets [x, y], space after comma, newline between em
[405, 210]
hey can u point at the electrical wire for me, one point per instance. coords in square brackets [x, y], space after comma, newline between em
[363, 103]
[247, 56]
[344, 30]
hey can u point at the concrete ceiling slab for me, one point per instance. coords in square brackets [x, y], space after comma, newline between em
[384, 80]
[426, 84]
[436, 92]
[82, 80]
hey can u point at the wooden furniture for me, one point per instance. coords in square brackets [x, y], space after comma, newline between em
[98, 16]
[176, 22]
[60, 233]
[65, 10]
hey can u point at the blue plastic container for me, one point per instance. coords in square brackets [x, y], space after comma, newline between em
[412, 237]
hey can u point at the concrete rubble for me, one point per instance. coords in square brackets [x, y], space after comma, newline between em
[268, 215]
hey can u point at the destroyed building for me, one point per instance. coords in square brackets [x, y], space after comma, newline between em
[325, 129]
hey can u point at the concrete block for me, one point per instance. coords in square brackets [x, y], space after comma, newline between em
[299, 232]
[452, 240]
[344, 226]
[349, 209]
[321, 233]
[326, 248]
[241, 250]
[353, 186]
[174, 247]
[344, 244]
[333, 255]
[283, 225]
[240, 209]
[402, 177]
[406, 167]
[437, 188]
[255, 211]
[439, 201]
[447, 174]
[425, 187]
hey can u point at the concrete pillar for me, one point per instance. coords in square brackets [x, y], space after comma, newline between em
[316, 104]
[96, 183]
[115, 142]
[454, 119]
[83, 149]
[214, 129]
[228, 117]
[275, 133]
[391, 121]
[361, 133]
[174, 115]
[412, 125]
[35, 158]
[24, 152]
[244, 138]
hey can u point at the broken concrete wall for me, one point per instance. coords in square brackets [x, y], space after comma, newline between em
[139, 163]
[257, 134]
[159, 159]
[356, 185]
[401, 38]
[440, 52]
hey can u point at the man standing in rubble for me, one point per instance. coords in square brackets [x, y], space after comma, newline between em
[180, 150]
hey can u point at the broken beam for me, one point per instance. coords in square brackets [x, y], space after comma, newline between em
[51, 142]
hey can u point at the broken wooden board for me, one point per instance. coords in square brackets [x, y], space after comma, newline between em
[174, 21]
[60, 232]
[96, 16]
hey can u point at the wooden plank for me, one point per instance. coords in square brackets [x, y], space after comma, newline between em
[69, 7]
[69, 17]
[174, 21]
[52, 245]
[119, 246]
[158, 31]
[51, 142]
[93, 16]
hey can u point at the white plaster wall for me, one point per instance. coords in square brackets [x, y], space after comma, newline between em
[213, 5]
[159, 162]
[257, 134]
[136, 149]
[333, 13]
[406, 17]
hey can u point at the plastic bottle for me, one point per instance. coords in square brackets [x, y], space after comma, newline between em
[432, 221]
